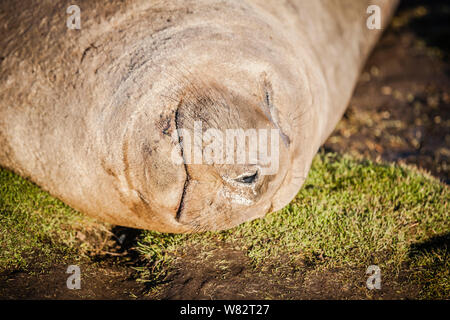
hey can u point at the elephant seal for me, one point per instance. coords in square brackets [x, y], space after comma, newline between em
[94, 115]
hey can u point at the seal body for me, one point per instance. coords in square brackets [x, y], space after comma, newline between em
[94, 115]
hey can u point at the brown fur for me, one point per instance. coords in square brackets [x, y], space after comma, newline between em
[89, 114]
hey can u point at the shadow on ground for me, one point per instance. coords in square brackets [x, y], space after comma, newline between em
[438, 243]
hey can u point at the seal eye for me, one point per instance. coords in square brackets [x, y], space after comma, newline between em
[248, 179]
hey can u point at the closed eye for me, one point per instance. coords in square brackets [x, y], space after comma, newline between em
[248, 178]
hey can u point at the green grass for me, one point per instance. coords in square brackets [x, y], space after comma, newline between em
[350, 213]
[35, 228]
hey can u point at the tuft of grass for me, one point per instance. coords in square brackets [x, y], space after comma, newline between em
[349, 213]
[35, 228]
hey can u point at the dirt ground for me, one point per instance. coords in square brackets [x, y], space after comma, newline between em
[399, 112]
[401, 106]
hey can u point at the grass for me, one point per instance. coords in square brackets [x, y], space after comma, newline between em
[35, 228]
[350, 213]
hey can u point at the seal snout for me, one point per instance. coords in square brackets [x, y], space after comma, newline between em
[221, 136]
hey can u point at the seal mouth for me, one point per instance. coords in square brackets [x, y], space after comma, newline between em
[183, 195]
[186, 182]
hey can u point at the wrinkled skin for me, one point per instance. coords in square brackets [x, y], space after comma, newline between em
[90, 115]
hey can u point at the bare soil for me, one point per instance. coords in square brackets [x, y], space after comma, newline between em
[399, 112]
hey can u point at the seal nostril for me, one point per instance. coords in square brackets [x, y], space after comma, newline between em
[248, 179]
